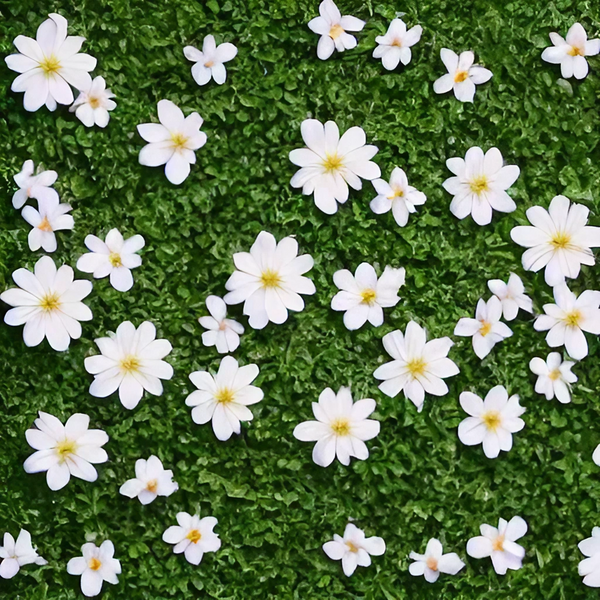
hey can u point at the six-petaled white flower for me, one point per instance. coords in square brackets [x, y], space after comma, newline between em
[209, 62]
[434, 562]
[570, 53]
[462, 75]
[94, 103]
[512, 296]
[193, 536]
[96, 566]
[222, 332]
[394, 47]
[589, 568]
[151, 480]
[49, 217]
[38, 185]
[554, 377]
[17, 554]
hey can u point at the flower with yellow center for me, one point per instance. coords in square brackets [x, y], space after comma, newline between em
[571, 53]
[96, 566]
[151, 480]
[434, 562]
[462, 75]
[94, 103]
[209, 63]
[554, 377]
[395, 46]
[193, 536]
[50, 216]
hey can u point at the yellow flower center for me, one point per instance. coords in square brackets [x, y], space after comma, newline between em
[50, 65]
[397, 42]
[94, 564]
[460, 76]
[194, 536]
[336, 31]
[560, 240]
[498, 544]
[341, 427]
[115, 259]
[270, 279]
[368, 297]
[50, 302]
[209, 63]
[572, 318]
[224, 396]
[554, 375]
[94, 101]
[332, 163]
[152, 486]
[396, 194]
[485, 328]
[45, 225]
[432, 563]
[416, 367]
[65, 449]
[575, 51]
[179, 140]
[491, 419]
[479, 184]
[130, 363]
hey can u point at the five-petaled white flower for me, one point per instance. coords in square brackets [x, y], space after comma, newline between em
[50, 216]
[172, 142]
[341, 428]
[462, 75]
[269, 280]
[329, 164]
[17, 554]
[222, 332]
[394, 46]
[569, 318]
[333, 28]
[48, 302]
[36, 186]
[115, 257]
[93, 104]
[354, 549]
[512, 296]
[434, 562]
[559, 240]
[65, 450]
[500, 544]
[151, 480]
[571, 53]
[96, 566]
[396, 195]
[49, 65]
[479, 184]
[193, 536]
[419, 365]
[130, 361]
[492, 421]
[589, 568]
[554, 377]
[224, 398]
[486, 329]
[209, 62]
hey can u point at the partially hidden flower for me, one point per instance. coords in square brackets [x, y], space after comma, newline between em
[462, 76]
[210, 62]
[434, 562]
[49, 217]
[34, 184]
[93, 104]
[222, 332]
[96, 566]
[554, 377]
[589, 568]
[511, 295]
[151, 480]
[193, 536]
[17, 554]
[394, 47]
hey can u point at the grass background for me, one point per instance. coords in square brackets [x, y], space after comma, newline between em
[275, 507]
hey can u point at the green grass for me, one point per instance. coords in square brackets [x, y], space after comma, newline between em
[275, 507]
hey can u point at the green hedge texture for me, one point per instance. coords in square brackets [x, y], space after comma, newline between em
[275, 507]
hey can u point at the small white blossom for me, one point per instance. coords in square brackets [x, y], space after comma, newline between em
[222, 332]
[554, 377]
[17, 554]
[193, 536]
[462, 75]
[589, 568]
[210, 62]
[434, 562]
[596, 455]
[50, 216]
[151, 480]
[32, 185]
[570, 53]
[512, 296]
[93, 104]
[96, 566]
[394, 47]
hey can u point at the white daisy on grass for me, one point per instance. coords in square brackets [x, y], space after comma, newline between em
[210, 62]
[48, 302]
[486, 329]
[50, 216]
[569, 318]
[222, 332]
[554, 377]
[570, 53]
[512, 296]
[49, 65]
[38, 185]
[462, 75]
[329, 164]
[394, 47]
[499, 544]
[172, 142]
[589, 568]
[65, 450]
[193, 536]
[434, 562]
[93, 104]
[396, 195]
[151, 480]
[492, 421]
[17, 554]
[131, 362]
[269, 280]
[341, 428]
[224, 398]
[479, 184]
[333, 29]
[354, 549]
[96, 566]
[363, 296]
[559, 240]
[115, 257]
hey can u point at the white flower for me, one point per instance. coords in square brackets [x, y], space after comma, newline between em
[93, 103]
[130, 361]
[269, 280]
[589, 568]
[209, 62]
[49, 64]
[17, 554]
[394, 46]
[222, 332]
[329, 164]
[480, 185]
[492, 421]
[554, 377]
[396, 195]
[333, 28]
[500, 544]
[172, 142]
[569, 318]
[434, 562]
[48, 302]
[462, 75]
[341, 428]
[224, 398]
[512, 296]
[419, 366]
[65, 450]
[50, 217]
[354, 549]
[96, 566]
[570, 54]
[486, 328]
[151, 480]
[596, 455]
[115, 257]
[193, 536]
[559, 240]
[36, 186]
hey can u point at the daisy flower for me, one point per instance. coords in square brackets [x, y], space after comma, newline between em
[434, 562]
[210, 62]
[17, 554]
[38, 185]
[462, 76]
[96, 566]
[554, 377]
[394, 47]
[51, 216]
[193, 536]
[94, 103]
[570, 53]
[512, 296]
[222, 332]
[151, 480]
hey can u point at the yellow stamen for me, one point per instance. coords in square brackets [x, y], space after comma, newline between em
[270, 279]
[341, 427]
[432, 563]
[574, 51]
[352, 547]
[460, 76]
[336, 31]
[64, 449]
[50, 65]
[94, 564]
[554, 375]
[152, 486]
[572, 318]
[397, 42]
[396, 194]
[224, 396]
[368, 297]
[209, 63]
[130, 363]
[179, 140]
[50, 302]
[479, 184]
[416, 367]
[45, 225]
[485, 328]
[498, 544]
[332, 163]
[94, 101]
[115, 259]
[560, 240]
[194, 536]
[491, 419]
